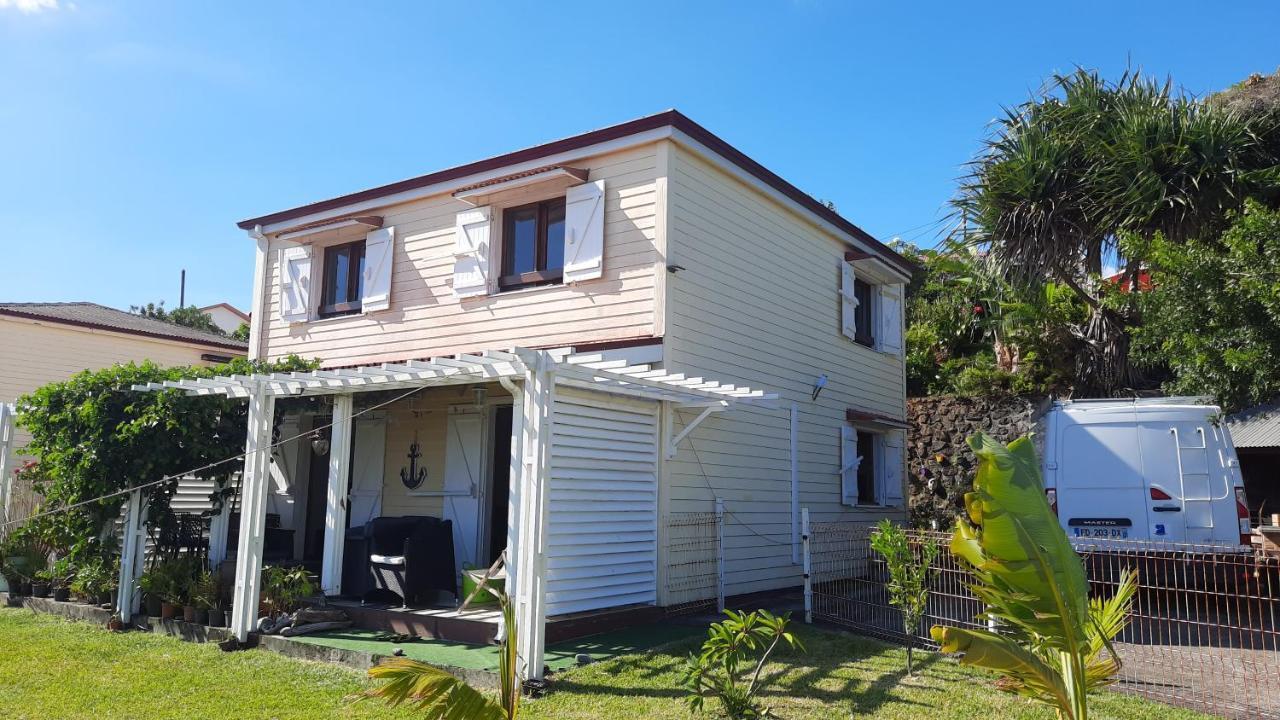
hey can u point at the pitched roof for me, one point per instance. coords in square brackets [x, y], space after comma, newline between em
[1258, 426]
[101, 317]
[671, 118]
[238, 312]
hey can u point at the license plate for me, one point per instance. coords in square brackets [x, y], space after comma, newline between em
[1104, 533]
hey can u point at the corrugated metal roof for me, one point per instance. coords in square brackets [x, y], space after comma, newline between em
[88, 314]
[1258, 426]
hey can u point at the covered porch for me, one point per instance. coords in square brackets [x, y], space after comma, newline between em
[548, 457]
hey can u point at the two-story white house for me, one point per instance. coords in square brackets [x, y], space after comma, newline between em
[575, 341]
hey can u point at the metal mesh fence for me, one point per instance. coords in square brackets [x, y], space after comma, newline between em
[693, 562]
[1203, 633]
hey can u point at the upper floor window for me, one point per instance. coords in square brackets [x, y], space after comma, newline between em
[343, 285]
[533, 244]
[870, 309]
[864, 333]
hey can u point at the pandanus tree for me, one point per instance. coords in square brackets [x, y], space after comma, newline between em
[1068, 178]
[1051, 643]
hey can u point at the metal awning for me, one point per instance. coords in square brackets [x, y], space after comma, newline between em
[590, 371]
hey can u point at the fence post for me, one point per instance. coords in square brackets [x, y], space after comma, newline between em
[808, 585]
[719, 555]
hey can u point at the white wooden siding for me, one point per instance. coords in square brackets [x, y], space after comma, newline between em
[758, 303]
[602, 546]
[425, 318]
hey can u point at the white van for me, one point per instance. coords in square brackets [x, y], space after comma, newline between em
[1159, 470]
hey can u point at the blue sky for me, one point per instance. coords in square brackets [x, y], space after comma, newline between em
[133, 135]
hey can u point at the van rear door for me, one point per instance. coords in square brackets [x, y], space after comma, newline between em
[1160, 462]
[1101, 493]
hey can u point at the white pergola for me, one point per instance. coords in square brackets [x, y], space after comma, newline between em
[531, 376]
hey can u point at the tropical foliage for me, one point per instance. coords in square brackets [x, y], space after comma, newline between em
[285, 588]
[1053, 643]
[444, 697]
[909, 572]
[95, 436]
[1212, 313]
[1068, 175]
[189, 316]
[724, 668]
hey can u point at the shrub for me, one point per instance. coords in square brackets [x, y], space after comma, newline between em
[719, 671]
[909, 571]
[284, 589]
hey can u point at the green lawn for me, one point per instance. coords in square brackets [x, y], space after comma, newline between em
[53, 668]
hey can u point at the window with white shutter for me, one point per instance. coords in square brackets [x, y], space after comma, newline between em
[295, 283]
[848, 302]
[892, 477]
[890, 316]
[584, 232]
[848, 465]
[471, 253]
[379, 250]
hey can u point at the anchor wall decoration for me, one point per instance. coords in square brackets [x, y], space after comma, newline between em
[413, 475]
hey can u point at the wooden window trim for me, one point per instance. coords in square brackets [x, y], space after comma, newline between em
[542, 275]
[328, 306]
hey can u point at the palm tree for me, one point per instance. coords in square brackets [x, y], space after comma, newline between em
[1087, 171]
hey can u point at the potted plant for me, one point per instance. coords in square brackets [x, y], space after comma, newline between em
[151, 583]
[63, 572]
[41, 583]
[285, 589]
[203, 596]
[217, 608]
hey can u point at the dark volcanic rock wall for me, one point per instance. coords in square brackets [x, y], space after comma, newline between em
[940, 464]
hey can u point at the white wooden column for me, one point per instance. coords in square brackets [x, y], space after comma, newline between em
[6, 458]
[132, 552]
[253, 514]
[514, 483]
[531, 559]
[335, 504]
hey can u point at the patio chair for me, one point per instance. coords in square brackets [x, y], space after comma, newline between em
[409, 556]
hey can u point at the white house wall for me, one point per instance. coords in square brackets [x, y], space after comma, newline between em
[757, 303]
[425, 318]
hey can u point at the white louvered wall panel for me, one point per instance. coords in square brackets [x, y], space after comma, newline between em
[603, 530]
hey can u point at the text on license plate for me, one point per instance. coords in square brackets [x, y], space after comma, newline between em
[1100, 532]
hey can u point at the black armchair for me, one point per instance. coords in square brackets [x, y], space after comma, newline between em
[409, 556]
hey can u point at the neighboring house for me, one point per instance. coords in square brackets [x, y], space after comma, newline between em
[42, 343]
[612, 330]
[227, 317]
[1255, 432]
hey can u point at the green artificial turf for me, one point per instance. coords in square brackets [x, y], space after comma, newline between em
[52, 668]
[559, 656]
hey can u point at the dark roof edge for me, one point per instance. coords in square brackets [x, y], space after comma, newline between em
[671, 118]
[211, 342]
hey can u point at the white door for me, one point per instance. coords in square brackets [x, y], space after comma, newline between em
[369, 444]
[463, 476]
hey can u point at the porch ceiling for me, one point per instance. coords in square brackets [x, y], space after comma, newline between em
[589, 371]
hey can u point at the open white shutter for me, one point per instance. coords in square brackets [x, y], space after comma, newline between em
[471, 252]
[848, 301]
[848, 465]
[890, 333]
[584, 232]
[295, 283]
[379, 249]
[891, 476]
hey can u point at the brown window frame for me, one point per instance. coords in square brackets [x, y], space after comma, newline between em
[867, 467]
[541, 275]
[864, 315]
[330, 306]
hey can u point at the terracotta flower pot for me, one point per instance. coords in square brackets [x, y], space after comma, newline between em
[168, 610]
[189, 613]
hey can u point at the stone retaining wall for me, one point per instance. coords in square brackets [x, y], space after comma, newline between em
[940, 464]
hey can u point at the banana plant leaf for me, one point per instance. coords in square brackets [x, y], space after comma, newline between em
[438, 694]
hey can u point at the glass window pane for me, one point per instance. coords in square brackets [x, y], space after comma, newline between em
[555, 236]
[342, 270]
[358, 293]
[522, 252]
[867, 468]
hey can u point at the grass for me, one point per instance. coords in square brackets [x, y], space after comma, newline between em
[54, 668]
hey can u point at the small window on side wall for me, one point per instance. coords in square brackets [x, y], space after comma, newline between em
[864, 330]
[532, 244]
[343, 285]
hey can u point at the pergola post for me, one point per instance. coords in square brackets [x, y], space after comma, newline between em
[253, 513]
[132, 555]
[335, 504]
[537, 410]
